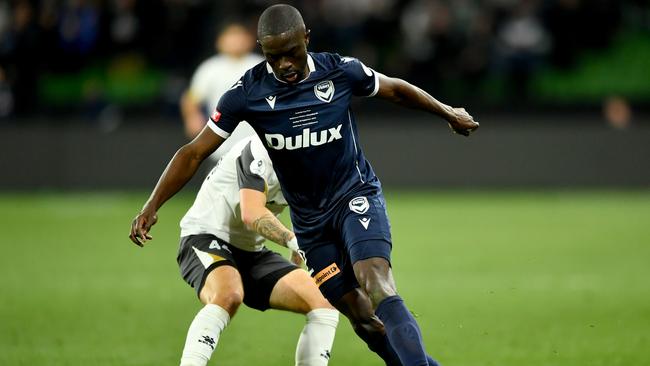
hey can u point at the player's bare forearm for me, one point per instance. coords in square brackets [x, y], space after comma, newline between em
[178, 172]
[406, 94]
[272, 229]
[257, 217]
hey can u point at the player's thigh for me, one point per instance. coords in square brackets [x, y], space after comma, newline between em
[223, 286]
[199, 257]
[297, 292]
[375, 277]
[365, 228]
[261, 271]
[330, 268]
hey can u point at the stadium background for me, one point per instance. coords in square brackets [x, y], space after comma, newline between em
[526, 243]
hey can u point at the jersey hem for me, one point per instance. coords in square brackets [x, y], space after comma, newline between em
[220, 235]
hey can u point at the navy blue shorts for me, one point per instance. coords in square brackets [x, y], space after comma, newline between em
[358, 229]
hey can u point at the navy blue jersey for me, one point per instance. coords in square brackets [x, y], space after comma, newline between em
[308, 129]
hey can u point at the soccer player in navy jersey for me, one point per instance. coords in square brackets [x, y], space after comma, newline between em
[298, 103]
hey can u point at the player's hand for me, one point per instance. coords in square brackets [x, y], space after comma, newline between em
[461, 122]
[296, 258]
[141, 225]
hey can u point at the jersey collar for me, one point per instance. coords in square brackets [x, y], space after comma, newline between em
[310, 66]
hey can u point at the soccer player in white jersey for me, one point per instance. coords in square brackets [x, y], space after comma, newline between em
[214, 76]
[222, 255]
[298, 102]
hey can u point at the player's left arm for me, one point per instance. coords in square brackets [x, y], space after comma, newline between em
[260, 219]
[254, 170]
[257, 217]
[408, 95]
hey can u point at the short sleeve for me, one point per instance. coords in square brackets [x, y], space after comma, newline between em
[363, 79]
[254, 167]
[229, 111]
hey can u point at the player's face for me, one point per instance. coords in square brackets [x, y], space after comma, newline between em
[287, 55]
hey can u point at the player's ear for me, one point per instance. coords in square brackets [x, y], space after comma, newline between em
[307, 32]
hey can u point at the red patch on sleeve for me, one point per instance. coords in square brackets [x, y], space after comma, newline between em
[215, 116]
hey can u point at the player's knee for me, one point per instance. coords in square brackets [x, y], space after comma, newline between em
[229, 300]
[375, 278]
[378, 291]
[318, 302]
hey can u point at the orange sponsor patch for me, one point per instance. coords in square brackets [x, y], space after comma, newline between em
[327, 273]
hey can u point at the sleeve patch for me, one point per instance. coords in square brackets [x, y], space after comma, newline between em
[216, 115]
[258, 167]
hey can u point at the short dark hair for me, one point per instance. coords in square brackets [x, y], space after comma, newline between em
[278, 19]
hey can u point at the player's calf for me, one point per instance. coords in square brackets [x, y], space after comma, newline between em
[222, 294]
[402, 331]
[203, 335]
[297, 292]
[356, 306]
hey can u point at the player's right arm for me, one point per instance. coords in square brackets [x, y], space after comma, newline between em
[179, 171]
[187, 160]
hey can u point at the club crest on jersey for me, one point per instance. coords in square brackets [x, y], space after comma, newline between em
[359, 205]
[324, 91]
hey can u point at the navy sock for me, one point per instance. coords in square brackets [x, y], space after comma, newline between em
[402, 331]
[381, 346]
[388, 354]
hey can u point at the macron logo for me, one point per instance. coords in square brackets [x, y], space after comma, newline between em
[306, 139]
[271, 101]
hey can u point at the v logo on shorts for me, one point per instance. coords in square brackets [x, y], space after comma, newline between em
[207, 258]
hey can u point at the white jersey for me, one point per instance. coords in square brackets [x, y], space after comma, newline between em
[212, 79]
[217, 74]
[216, 209]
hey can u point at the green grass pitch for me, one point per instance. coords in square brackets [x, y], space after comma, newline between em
[495, 278]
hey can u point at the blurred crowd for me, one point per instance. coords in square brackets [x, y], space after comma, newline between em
[442, 45]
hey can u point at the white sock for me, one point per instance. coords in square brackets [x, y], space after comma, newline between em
[203, 335]
[317, 337]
